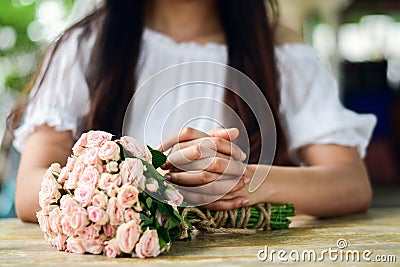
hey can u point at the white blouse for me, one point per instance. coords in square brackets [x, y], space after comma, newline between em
[310, 109]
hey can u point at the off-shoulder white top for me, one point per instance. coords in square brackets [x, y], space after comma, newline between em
[310, 109]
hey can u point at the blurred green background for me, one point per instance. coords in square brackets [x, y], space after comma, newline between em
[25, 27]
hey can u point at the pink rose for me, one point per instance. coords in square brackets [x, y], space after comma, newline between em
[74, 176]
[97, 138]
[70, 163]
[78, 220]
[108, 179]
[43, 222]
[105, 180]
[174, 198]
[112, 190]
[71, 182]
[115, 212]
[80, 145]
[68, 205]
[162, 219]
[49, 190]
[94, 246]
[128, 196]
[55, 220]
[91, 156]
[110, 230]
[148, 245]
[112, 167]
[55, 168]
[83, 194]
[89, 177]
[131, 215]
[109, 151]
[135, 148]
[140, 183]
[152, 185]
[127, 236]
[63, 176]
[97, 215]
[112, 249]
[89, 233]
[59, 242]
[66, 226]
[74, 246]
[131, 171]
[100, 200]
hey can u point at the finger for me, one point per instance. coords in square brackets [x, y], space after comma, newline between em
[227, 134]
[173, 170]
[244, 181]
[216, 165]
[197, 199]
[218, 144]
[190, 154]
[220, 188]
[196, 179]
[185, 134]
[219, 185]
[243, 191]
[192, 178]
[174, 167]
[230, 204]
[200, 199]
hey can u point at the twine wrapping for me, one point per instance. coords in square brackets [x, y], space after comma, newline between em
[227, 221]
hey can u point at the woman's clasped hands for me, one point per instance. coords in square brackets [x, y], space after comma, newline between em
[208, 168]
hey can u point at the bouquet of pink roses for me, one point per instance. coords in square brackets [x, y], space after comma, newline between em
[107, 200]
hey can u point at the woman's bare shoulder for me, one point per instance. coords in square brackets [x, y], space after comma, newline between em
[284, 35]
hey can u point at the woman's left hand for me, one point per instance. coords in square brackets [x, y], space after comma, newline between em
[207, 168]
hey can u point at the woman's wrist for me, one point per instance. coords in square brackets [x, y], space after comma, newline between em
[259, 175]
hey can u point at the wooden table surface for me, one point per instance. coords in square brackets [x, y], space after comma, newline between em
[22, 244]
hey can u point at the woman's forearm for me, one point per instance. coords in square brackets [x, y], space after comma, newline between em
[26, 196]
[317, 190]
[43, 147]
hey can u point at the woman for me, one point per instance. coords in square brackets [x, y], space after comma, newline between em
[98, 62]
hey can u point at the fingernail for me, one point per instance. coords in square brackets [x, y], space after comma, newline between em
[159, 147]
[245, 202]
[247, 180]
[167, 176]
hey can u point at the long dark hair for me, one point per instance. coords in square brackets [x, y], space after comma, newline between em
[248, 28]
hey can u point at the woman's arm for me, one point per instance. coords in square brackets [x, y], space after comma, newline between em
[43, 147]
[334, 182]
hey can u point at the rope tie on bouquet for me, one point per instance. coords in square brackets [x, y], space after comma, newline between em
[227, 221]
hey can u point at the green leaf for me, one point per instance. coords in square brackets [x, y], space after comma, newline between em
[163, 208]
[162, 243]
[158, 157]
[149, 201]
[173, 223]
[164, 234]
[151, 172]
[176, 213]
[143, 217]
[147, 222]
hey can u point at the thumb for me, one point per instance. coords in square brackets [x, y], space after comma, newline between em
[228, 134]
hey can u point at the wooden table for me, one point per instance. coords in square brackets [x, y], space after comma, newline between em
[21, 244]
